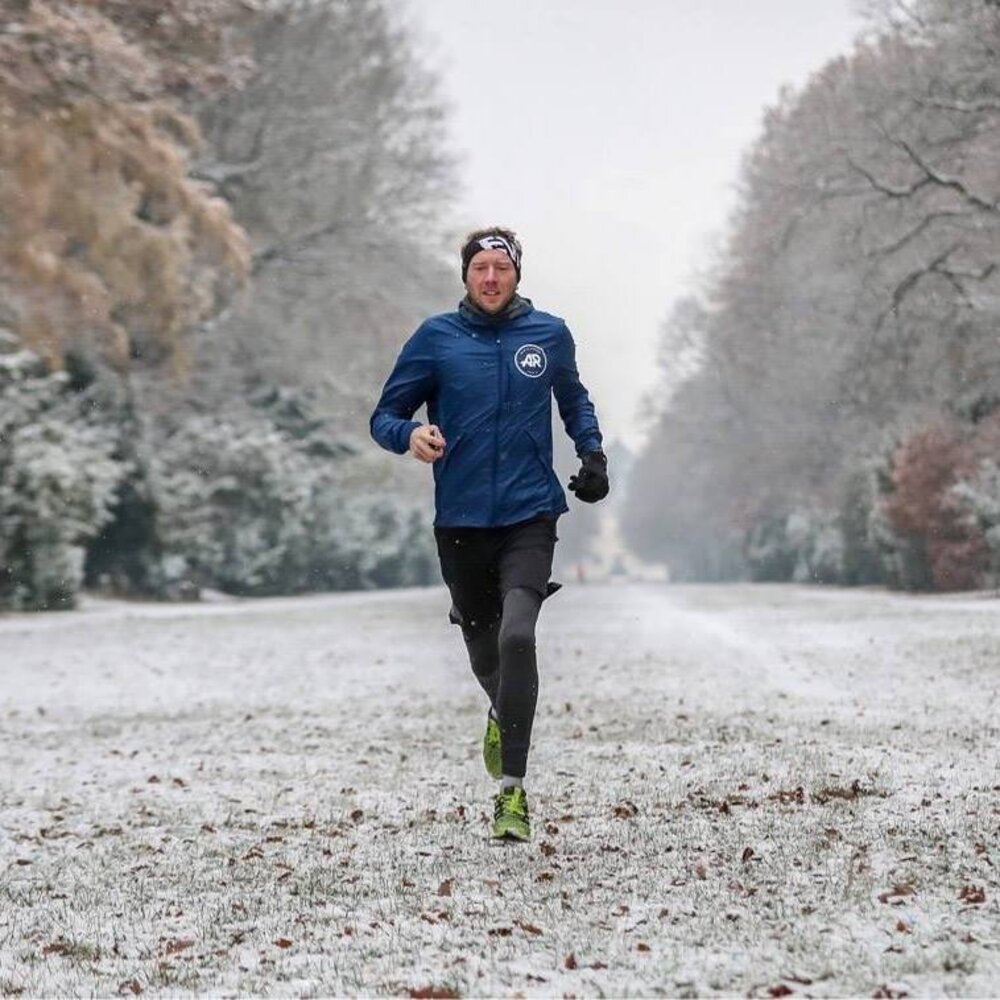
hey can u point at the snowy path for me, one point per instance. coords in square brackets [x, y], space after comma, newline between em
[735, 790]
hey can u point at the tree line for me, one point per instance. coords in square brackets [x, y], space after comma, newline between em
[219, 218]
[829, 406]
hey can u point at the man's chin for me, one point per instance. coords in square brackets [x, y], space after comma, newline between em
[494, 307]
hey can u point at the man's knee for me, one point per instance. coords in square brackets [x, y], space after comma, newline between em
[520, 613]
[516, 640]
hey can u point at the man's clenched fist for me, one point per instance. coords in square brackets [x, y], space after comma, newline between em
[427, 443]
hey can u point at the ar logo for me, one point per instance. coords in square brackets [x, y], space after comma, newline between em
[530, 360]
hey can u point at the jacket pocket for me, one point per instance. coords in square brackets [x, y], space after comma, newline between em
[546, 466]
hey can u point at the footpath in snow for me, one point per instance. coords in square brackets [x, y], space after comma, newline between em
[743, 790]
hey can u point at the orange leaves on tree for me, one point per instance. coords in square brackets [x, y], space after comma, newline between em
[105, 239]
[922, 506]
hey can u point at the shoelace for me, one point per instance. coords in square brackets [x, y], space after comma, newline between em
[505, 799]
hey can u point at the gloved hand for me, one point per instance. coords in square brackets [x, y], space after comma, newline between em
[590, 484]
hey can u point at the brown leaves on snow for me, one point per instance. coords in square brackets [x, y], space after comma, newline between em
[796, 795]
[888, 992]
[972, 894]
[177, 945]
[896, 895]
[528, 928]
[434, 993]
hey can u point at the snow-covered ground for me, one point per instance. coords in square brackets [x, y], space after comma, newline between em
[735, 790]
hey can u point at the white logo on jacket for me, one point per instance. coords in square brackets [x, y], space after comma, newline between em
[530, 360]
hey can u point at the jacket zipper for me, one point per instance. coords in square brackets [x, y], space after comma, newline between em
[496, 432]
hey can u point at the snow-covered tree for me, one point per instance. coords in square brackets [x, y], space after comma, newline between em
[856, 296]
[58, 475]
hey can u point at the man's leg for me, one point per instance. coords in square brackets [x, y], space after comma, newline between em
[524, 566]
[482, 644]
[467, 566]
[517, 692]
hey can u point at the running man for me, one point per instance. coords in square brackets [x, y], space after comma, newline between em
[487, 373]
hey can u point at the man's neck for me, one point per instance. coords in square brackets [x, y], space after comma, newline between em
[514, 307]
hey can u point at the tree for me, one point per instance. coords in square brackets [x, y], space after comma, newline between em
[855, 299]
[334, 159]
[107, 244]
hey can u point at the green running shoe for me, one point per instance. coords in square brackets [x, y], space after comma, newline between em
[491, 748]
[510, 815]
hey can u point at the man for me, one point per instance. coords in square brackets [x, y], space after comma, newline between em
[487, 374]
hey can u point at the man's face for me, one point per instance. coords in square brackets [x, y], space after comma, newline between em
[491, 280]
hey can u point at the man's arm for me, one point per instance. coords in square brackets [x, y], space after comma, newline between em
[410, 384]
[575, 407]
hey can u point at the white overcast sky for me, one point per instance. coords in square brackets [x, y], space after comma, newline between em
[609, 134]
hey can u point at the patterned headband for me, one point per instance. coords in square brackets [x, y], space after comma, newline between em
[510, 247]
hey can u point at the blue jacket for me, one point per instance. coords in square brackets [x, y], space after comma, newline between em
[488, 385]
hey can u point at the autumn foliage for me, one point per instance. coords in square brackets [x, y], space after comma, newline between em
[106, 242]
[925, 507]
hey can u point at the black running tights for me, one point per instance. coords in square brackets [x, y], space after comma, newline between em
[503, 659]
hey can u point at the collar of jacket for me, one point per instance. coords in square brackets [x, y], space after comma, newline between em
[518, 306]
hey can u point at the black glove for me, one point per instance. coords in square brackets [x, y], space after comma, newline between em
[590, 484]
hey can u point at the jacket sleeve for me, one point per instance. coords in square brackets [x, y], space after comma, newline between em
[410, 384]
[575, 407]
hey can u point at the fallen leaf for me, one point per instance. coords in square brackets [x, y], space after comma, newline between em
[598, 965]
[130, 986]
[434, 993]
[528, 928]
[973, 894]
[642, 946]
[500, 931]
[781, 990]
[283, 943]
[357, 815]
[903, 927]
[570, 961]
[444, 889]
[547, 849]
[748, 855]
[796, 795]
[896, 893]
[177, 945]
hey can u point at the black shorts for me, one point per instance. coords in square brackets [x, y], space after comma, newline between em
[480, 565]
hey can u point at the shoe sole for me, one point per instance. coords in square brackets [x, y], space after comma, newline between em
[512, 836]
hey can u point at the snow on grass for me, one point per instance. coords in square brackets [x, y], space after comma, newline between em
[735, 790]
